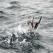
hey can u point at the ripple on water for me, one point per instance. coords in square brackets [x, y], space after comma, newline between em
[33, 8]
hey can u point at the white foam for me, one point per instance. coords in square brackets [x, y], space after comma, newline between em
[22, 29]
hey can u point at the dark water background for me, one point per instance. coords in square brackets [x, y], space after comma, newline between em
[14, 11]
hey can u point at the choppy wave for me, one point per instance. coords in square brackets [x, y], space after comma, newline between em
[13, 13]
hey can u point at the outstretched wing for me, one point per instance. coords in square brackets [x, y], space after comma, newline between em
[40, 19]
[36, 25]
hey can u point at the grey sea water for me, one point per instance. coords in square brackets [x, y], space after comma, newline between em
[15, 12]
